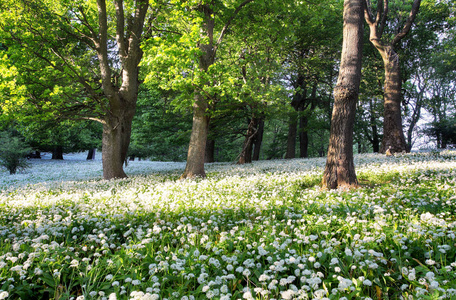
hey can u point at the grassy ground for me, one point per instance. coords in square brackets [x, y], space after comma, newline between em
[260, 231]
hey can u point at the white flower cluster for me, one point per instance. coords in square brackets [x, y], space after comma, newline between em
[246, 232]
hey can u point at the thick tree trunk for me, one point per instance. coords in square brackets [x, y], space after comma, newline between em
[210, 151]
[198, 138]
[121, 94]
[291, 139]
[200, 127]
[393, 135]
[303, 137]
[115, 142]
[258, 140]
[57, 153]
[91, 154]
[340, 168]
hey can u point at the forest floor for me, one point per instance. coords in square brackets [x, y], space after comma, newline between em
[259, 231]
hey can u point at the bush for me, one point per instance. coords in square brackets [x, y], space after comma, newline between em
[13, 152]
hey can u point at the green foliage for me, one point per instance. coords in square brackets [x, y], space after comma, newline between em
[71, 136]
[48, 61]
[159, 131]
[13, 152]
[443, 131]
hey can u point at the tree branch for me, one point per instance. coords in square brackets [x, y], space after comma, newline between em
[120, 29]
[102, 49]
[368, 13]
[86, 23]
[228, 23]
[408, 23]
[384, 17]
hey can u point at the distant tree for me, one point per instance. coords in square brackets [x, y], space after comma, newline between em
[369, 115]
[430, 81]
[443, 131]
[340, 168]
[159, 130]
[393, 135]
[310, 61]
[13, 152]
[200, 57]
[60, 136]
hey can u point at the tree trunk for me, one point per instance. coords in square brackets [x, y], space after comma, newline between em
[393, 135]
[291, 139]
[303, 137]
[200, 127]
[258, 140]
[37, 154]
[57, 153]
[375, 139]
[115, 142]
[198, 138]
[340, 168]
[210, 151]
[414, 120]
[246, 154]
[91, 154]
[121, 94]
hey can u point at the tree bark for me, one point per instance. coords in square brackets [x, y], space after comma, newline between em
[115, 142]
[198, 138]
[91, 154]
[245, 157]
[57, 153]
[340, 168]
[210, 151]
[303, 137]
[258, 140]
[291, 138]
[393, 134]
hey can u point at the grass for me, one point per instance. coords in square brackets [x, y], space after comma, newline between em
[259, 231]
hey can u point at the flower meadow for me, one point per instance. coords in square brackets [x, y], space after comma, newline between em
[259, 231]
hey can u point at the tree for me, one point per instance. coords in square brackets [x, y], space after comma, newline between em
[60, 136]
[368, 124]
[187, 58]
[393, 135]
[340, 168]
[159, 132]
[310, 60]
[257, 45]
[427, 68]
[444, 131]
[13, 152]
[198, 138]
[88, 74]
